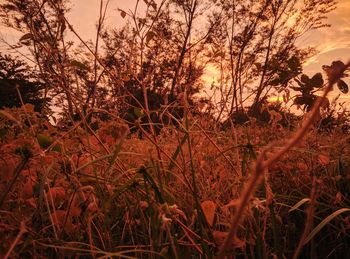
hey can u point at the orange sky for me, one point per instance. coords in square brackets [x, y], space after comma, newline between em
[332, 43]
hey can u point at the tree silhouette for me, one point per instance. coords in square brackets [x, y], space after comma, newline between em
[254, 46]
[15, 73]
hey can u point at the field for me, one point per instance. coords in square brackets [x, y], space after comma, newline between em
[174, 129]
[109, 193]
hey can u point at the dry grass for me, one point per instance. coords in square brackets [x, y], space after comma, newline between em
[81, 200]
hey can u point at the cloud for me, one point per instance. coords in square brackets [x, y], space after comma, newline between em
[332, 43]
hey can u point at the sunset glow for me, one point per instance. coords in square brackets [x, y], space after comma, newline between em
[174, 129]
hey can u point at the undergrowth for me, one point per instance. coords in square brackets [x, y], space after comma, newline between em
[107, 193]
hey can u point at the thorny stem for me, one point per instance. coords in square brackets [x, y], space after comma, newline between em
[262, 165]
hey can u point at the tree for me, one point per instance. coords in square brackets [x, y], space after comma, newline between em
[16, 74]
[156, 58]
[43, 26]
[255, 46]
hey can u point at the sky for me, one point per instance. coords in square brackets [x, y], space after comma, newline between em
[332, 43]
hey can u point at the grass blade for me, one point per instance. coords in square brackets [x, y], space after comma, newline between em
[325, 222]
[298, 204]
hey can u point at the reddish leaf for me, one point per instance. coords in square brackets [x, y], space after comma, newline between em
[209, 208]
[323, 159]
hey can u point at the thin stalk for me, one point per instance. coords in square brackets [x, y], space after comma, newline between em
[262, 165]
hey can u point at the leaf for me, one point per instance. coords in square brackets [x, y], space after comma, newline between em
[149, 36]
[294, 63]
[154, 5]
[232, 203]
[336, 68]
[323, 159]
[44, 140]
[338, 198]
[303, 100]
[324, 223]
[305, 79]
[28, 107]
[302, 166]
[209, 208]
[317, 80]
[138, 112]
[26, 37]
[79, 65]
[299, 203]
[122, 13]
[57, 148]
[343, 87]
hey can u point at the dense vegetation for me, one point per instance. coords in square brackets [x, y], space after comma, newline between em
[119, 148]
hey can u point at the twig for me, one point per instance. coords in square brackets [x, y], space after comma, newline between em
[22, 230]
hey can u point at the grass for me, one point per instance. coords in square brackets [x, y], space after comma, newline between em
[173, 196]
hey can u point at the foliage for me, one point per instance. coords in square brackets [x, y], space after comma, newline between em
[14, 74]
[85, 185]
[254, 46]
[77, 199]
[308, 87]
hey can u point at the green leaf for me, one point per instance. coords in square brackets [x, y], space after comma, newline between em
[324, 223]
[343, 87]
[44, 140]
[79, 65]
[298, 204]
[57, 148]
[138, 112]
